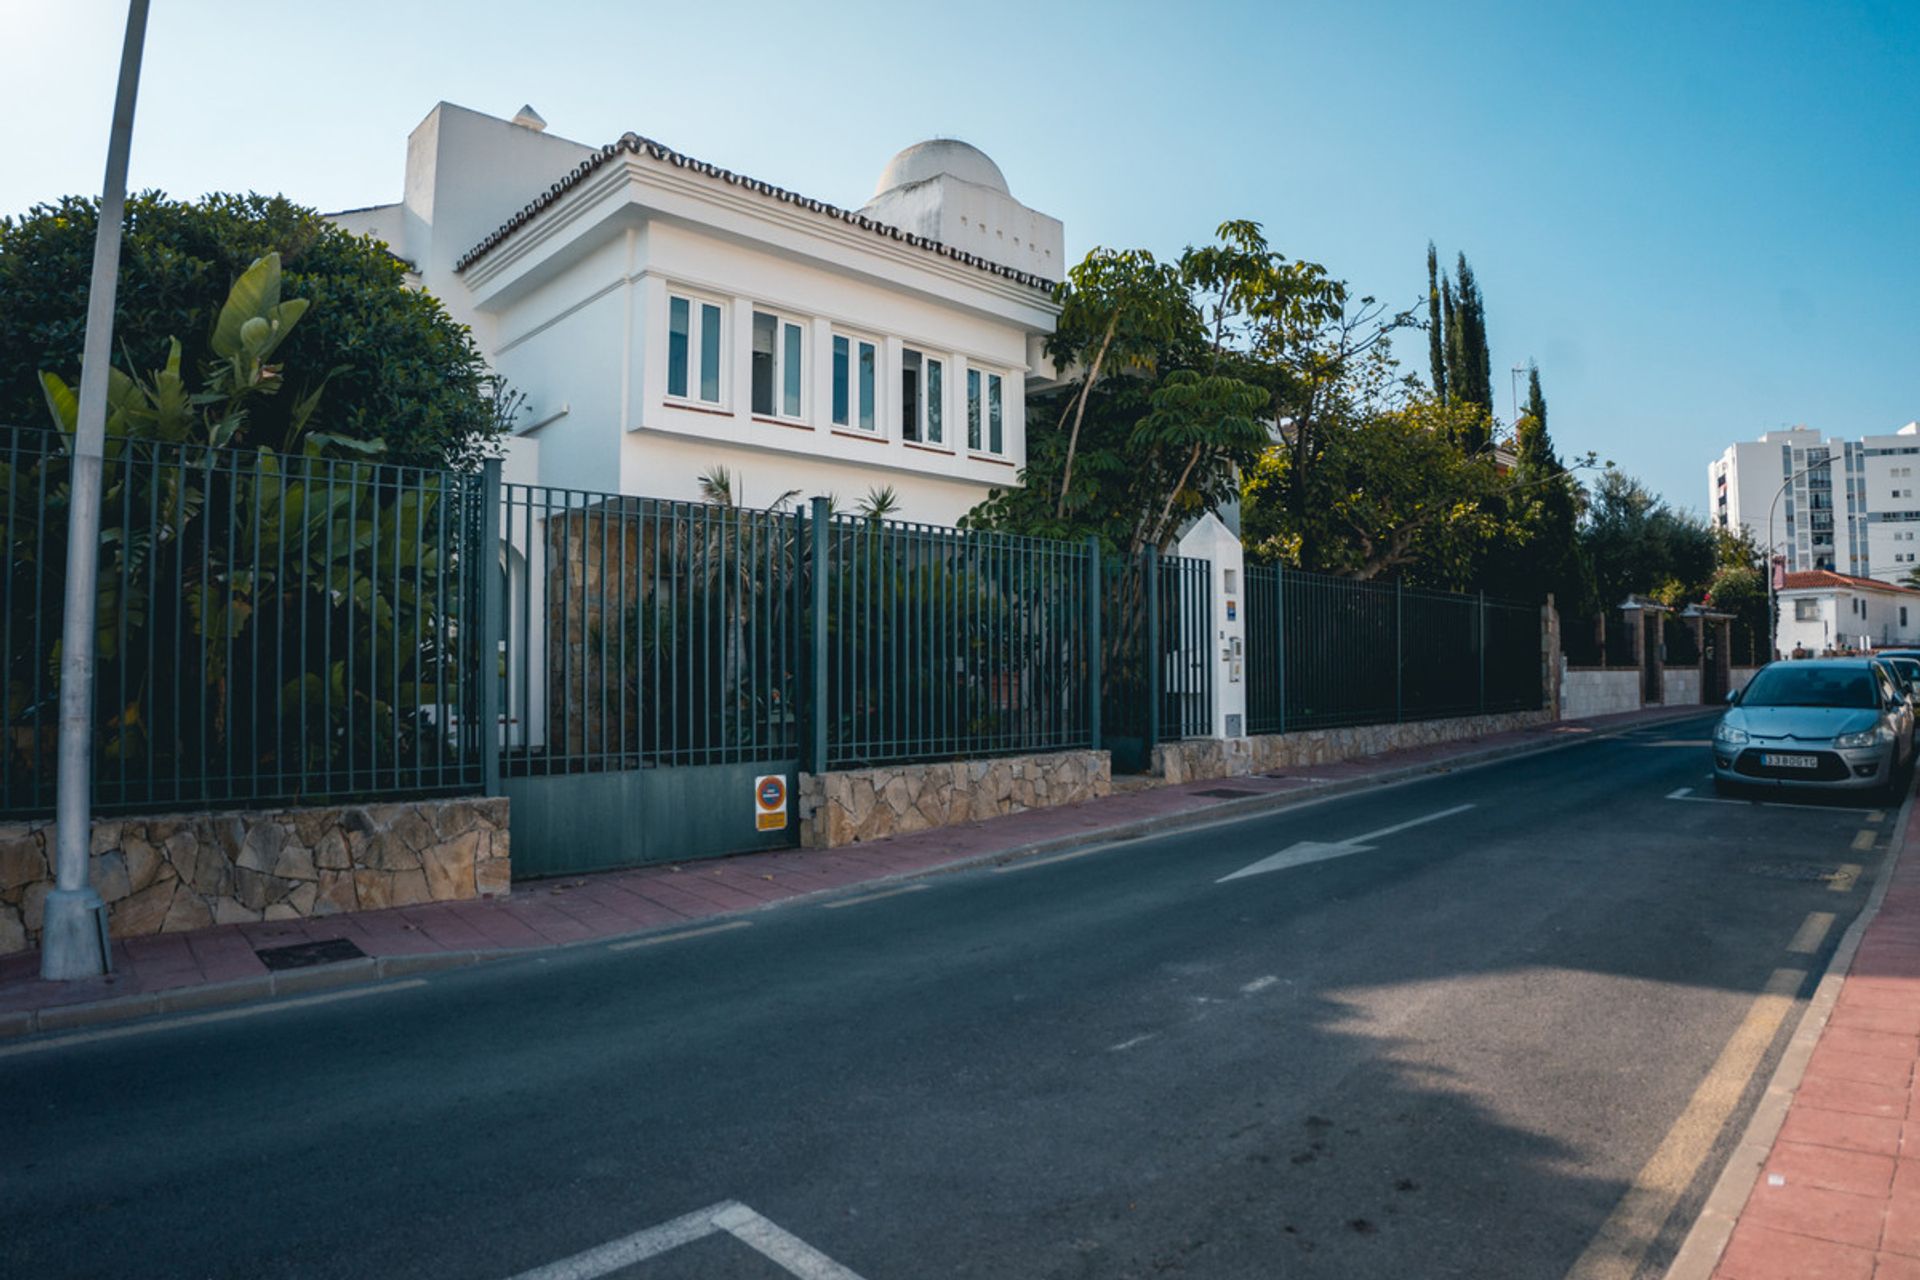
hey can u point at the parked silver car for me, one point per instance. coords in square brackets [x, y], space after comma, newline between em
[1834, 722]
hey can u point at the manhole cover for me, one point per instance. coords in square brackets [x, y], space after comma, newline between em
[304, 955]
[1228, 793]
[1808, 871]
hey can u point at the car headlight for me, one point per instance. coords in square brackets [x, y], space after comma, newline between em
[1730, 734]
[1879, 735]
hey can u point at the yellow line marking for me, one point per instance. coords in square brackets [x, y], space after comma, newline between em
[1863, 839]
[1843, 880]
[202, 1019]
[872, 897]
[1621, 1244]
[1878, 815]
[1812, 932]
[675, 937]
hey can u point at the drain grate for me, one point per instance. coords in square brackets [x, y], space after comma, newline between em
[305, 955]
[1228, 793]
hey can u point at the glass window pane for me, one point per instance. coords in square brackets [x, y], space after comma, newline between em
[764, 329]
[677, 319]
[709, 353]
[973, 408]
[790, 373]
[868, 368]
[995, 442]
[936, 393]
[909, 395]
[841, 381]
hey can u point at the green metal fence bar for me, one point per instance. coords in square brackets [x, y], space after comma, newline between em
[1325, 652]
[274, 628]
[493, 670]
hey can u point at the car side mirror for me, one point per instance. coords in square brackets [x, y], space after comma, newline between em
[1733, 697]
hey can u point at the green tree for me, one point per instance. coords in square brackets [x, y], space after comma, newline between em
[1636, 544]
[1119, 310]
[1739, 587]
[1323, 356]
[1436, 330]
[1542, 542]
[396, 366]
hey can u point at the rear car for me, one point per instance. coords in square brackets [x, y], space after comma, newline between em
[1829, 723]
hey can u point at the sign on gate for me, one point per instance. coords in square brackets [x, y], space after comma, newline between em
[770, 802]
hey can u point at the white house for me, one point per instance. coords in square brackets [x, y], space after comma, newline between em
[665, 316]
[1822, 610]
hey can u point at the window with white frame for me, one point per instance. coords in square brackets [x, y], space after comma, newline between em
[922, 397]
[695, 345]
[779, 379]
[856, 363]
[985, 393]
[1806, 611]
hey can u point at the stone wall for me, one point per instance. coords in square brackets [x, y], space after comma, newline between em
[1592, 691]
[869, 804]
[1203, 758]
[187, 871]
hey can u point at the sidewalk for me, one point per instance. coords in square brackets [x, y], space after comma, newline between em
[178, 971]
[1837, 1195]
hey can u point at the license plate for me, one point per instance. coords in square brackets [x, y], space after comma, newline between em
[1790, 762]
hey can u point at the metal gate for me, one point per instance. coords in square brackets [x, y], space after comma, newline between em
[647, 661]
[1156, 660]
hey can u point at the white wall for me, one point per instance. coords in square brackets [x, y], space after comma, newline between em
[1680, 686]
[1587, 692]
[1855, 617]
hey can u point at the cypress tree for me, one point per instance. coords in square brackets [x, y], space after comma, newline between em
[1436, 333]
[1471, 378]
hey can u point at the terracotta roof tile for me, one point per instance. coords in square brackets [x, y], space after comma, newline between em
[1813, 578]
[634, 144]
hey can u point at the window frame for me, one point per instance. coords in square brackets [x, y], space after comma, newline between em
[696, 352]
[986, 411]
[928, 430]
[784, 322]
[861, 403]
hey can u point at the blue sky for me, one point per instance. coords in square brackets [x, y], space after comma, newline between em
[1700, 220]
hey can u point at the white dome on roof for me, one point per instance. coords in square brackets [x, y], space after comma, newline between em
[936, 156]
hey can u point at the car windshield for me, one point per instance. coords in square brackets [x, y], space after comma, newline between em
[1788, 686]
[1908, 668]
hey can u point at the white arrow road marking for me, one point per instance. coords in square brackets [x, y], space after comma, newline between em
[1306, 851]
[793, 1255]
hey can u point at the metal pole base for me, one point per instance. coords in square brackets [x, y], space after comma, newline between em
[72, 943]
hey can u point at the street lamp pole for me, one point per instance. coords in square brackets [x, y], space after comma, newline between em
[1773, 610]
[73, 939]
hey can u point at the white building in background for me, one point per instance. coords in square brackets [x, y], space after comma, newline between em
[1852, 506]
[665, 317]
[1822, 610]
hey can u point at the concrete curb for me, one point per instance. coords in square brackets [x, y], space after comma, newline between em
[1707, 1239]
[376, 969]
[214, 995]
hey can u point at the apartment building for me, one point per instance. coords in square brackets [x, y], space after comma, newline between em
[1848, 506]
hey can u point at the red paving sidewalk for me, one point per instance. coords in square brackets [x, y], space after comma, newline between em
[1838, 1197]
[168, 969]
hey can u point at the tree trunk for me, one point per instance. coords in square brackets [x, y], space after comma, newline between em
[1079, 412]
[1166, 512]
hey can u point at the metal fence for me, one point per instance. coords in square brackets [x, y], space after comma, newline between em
[271, 628]
[939, 643]
[1325, 652]
[1156, 657]
[635, 632]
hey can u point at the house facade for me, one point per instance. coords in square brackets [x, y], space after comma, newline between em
[666, 318]
[1820, 610]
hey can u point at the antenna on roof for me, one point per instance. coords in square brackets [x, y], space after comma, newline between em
[528, 118]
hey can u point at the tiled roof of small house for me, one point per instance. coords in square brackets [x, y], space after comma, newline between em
[634, 144]
[1806, 579]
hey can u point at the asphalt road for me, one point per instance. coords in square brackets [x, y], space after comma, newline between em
[1449, 1054]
